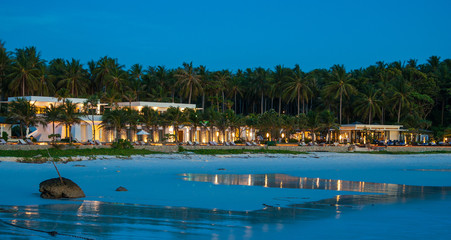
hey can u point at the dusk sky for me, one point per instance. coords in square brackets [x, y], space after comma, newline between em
[231, 34]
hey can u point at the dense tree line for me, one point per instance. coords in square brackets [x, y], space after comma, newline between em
[416, 95]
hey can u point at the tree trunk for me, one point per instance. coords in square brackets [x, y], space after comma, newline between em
[299, 103]
[399, 111]
[190, 92]
[262, 103]
[280, 104]
[341, 101]
[223, 101]
[235, 101]
[203, 102]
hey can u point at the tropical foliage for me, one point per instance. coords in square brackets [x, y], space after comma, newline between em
[387, 93]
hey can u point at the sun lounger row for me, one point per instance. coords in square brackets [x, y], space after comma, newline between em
[96, 142]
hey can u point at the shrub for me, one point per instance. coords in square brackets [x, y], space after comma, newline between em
[271, 143]
[122, 144]
[5, 136]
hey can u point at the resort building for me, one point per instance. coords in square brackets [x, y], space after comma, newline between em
[83, 132]
[366, 133]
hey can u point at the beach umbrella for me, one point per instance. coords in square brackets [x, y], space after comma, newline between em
[142, 132]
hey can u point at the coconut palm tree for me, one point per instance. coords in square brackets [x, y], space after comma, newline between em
[279, 79]
[25, 71]
[259, 83]
[329, 122]
[115, 120]
[313, 123]
[340, 85]
[24, 112]
[5, 62]
[74, 78]
[70, 116]
[189, 81]
[90, 107]
[176, 118]
[46, 87]
[204, 77]
[53, 114]
[297, 87]
[368, 103]
[402, 96]
[150, 120]
[222, 79]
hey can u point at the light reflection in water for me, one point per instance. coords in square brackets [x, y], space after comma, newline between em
[287, 181]
[104, 220]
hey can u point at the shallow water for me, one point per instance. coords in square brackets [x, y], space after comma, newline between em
[215, 204]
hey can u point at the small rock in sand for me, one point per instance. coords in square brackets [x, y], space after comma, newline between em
[121, 189]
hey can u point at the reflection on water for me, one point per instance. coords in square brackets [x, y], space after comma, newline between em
[100, 220]
[287, 181]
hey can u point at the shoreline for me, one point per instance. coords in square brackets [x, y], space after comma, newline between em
[73, 155]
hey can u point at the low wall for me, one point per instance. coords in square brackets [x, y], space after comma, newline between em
[173, 148]
[419, 149]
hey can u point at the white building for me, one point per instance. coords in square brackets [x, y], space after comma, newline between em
[84, 131]
[363, 133]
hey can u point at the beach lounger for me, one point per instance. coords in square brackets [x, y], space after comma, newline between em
[142, 143]
[189, 143]
[232, 144]
[196, 143]
[2, 141]
[97, 142]
[227, 143]
[248, 144]
[22, 142]
[28, 141]
[254, 144]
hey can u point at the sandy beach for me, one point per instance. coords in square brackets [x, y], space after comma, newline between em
[235, 197]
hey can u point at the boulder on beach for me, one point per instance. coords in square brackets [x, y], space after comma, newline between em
[54, 189]
[121, 189]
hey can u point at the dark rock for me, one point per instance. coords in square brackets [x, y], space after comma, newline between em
[221, 169]
[54, 189]
[121, 189]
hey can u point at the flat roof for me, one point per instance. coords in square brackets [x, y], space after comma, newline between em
[156, 104]
[361, 126]
[46, 99]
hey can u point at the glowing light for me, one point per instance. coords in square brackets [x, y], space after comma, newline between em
[339, 185]
[283, 135]
[249, 180]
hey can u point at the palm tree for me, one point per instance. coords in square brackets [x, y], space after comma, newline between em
[5, 62]
[90, 107]
[222, 79]
[297, 87]
[260, 80]
[115, 120]
[116, 79]
[25, 71]
[73, 78]
[150, 120]
[70, 116]
[189, 80]
[53, 114]
[313, 124]
[329, 122]
[280, 76]
[402, 96]
[45, 87]
[204, 80]
[368, 103]
[340, 85]
[24, 112]
[176, 118]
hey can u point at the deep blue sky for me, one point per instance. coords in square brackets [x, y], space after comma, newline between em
[231, 34]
